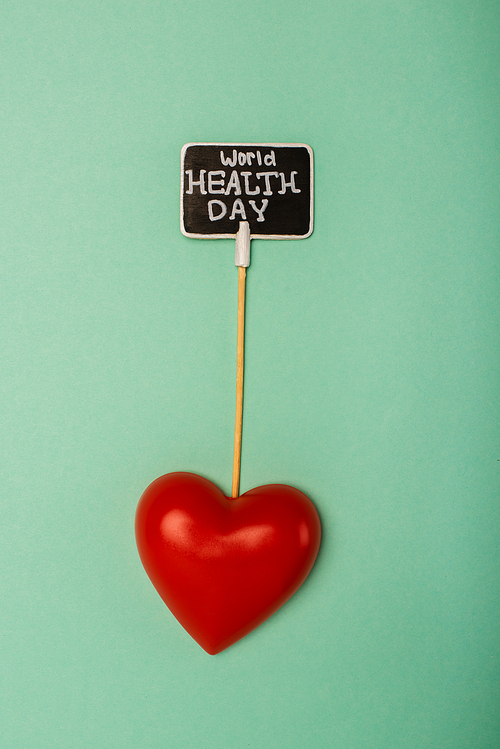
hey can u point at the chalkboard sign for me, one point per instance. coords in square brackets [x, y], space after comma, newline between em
[270, 185]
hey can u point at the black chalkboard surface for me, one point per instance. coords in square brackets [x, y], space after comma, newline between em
[270, 185]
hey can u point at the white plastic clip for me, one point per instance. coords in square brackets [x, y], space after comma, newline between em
[242, 254]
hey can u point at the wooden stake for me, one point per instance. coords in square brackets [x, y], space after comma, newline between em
[239, 381]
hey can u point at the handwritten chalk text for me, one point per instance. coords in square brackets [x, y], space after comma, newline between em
[218, 182]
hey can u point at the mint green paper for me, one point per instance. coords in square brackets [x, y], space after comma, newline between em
[371, 381]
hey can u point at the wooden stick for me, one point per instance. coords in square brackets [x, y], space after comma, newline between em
[239, 381]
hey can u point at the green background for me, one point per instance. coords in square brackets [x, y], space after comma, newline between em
[371, 381]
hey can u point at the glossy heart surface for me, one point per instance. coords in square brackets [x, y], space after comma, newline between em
[222, 565]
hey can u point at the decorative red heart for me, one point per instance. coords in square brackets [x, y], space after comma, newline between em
[222, 565]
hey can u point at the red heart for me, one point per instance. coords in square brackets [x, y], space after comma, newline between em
[222, 565]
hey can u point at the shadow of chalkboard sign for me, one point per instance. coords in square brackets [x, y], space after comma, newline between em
[270, 185]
